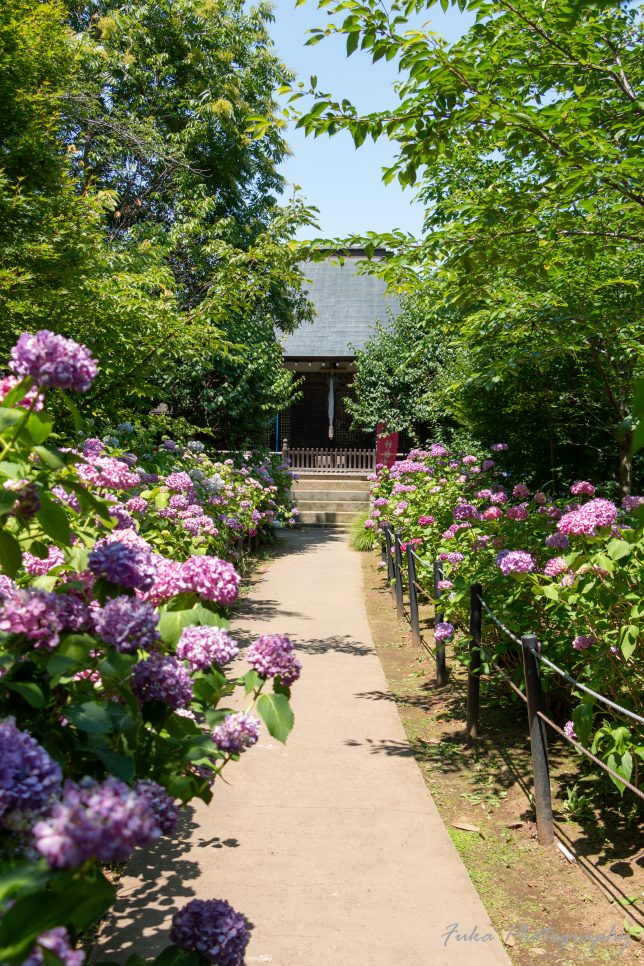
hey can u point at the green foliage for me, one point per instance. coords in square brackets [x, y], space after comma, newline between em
[390, 387]
[135, 212]
[361, 539]
[581, 598]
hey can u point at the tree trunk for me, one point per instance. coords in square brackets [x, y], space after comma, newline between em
[625, 464]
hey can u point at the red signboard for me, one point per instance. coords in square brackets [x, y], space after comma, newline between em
[386, 446]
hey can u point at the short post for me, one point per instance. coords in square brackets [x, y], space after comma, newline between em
[474, 667]
[383, 544]
[413, 595]
[400, 608]
[441, 667]
[538, 739]
[390, 561]
[284, 450]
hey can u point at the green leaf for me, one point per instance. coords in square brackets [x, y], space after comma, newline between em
[50, 457]
[71, 406]
[9, 418]
[28, 691]
[623, 765]
[90, 717]
[39, 427]
[252, 681]
[617, 549]
[10, 554]
[7, 501]
[53, 519]
[277, 715]
[175, 956]
[628, 638]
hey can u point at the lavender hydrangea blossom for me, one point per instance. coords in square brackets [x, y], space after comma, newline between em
[127, 624]
[32, 614]
[28, 776]
[213, 929]
[105, 822]
[56, 941]
[162, 678]
[126, 566]
[271, 655]
[211, 577]
[163, 806]
[236, 733]
[53, 361]
[444, 631]
[514, 562]
[202, 647]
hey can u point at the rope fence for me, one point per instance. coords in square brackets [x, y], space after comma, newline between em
[532, 659]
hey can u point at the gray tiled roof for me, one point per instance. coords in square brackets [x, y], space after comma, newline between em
[348, 306]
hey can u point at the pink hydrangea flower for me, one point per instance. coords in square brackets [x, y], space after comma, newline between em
[492, 513]
[584, 641]
[517, 513]
[521, 491]
[499, 447]
[425, 521]
[555, 567]
[515, 562]
[582, 488]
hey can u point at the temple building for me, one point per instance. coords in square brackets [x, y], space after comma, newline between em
[348, 306]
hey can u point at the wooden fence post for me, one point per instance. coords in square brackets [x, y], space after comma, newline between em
[474, 668]
[441, 666]
[390, 561]
[538, 739]
[413, 595]
[400, 607]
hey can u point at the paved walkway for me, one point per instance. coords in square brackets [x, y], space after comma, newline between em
[330, 845]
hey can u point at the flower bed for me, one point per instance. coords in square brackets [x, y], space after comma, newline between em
[115, 658]
[568, 569]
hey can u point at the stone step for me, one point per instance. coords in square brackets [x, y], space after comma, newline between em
[321, 481]
[361, 496]
[341, 506]
[326, 518]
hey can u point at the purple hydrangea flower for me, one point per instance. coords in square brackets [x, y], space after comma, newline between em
[162, 678]
[444, 631]
[630, 503]
[136, 504]
[32, 614]
[7, 587]
[31, 399]
[583, 641]
[127, 623]
[517, 513]
[583, 521]
[557, 541]
[211, 578]
[105, 822]
[179, 481]
[236, 732]
[53, 362]
[127, 566]
[521, 491]
[514, 562]
[569, 730]
[272, 654]
[73, 613]
[204, 646]
[163, 806]
[37, 567]
[56, 941]
[499, 447]
[110, 473]
[582, 488]
[211, 928]
[28, 776]
[555, 567]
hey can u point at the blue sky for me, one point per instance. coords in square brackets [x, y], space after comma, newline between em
[345, 183]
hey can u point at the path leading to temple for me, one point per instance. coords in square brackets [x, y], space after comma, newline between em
[331, 845]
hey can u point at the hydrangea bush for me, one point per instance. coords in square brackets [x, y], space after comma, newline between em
[114, 661]
[567, 567]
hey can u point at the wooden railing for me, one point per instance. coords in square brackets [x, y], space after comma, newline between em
[330, 460]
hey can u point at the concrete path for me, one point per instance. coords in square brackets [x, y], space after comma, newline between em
[331, 845]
